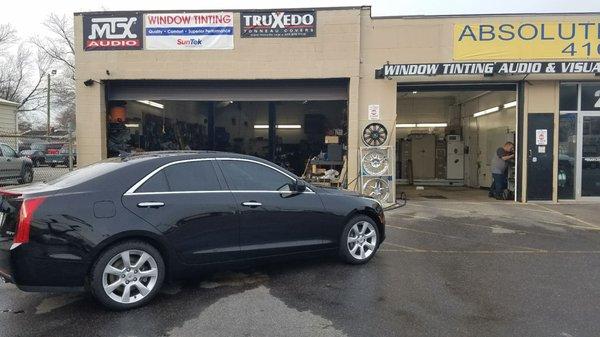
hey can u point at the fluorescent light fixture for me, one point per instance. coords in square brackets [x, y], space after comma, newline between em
[407, 125]
[432, 125]
[510, 105]
[153, 104]
[415, 92]
[486, 111]
[279, 126]
[136, 125]
[289, 126]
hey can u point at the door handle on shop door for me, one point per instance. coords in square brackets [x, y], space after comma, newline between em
[151, 204]
[251, 204]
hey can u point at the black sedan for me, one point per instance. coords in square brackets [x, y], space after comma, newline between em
[37, 157]
[121, 227]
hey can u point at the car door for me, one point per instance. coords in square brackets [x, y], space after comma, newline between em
[187, 202]
[274, 219]
[11, 163]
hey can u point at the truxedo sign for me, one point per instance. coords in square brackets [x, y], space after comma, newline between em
[279, 24]
[487, 68]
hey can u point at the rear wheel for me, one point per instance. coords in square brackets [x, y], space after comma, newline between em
[127, 275]
[359, 240]
[26, 175]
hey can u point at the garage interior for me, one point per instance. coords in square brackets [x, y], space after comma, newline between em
[446, 137]
[300, 125]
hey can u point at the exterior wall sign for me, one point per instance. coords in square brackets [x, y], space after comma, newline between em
[374, 112]
[115, 31]
[527, 41]
[184, 31]
[487, 68]
[279, 24]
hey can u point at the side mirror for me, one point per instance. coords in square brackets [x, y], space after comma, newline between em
[299, 186]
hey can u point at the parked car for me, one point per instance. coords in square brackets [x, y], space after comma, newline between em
[61, 157]
[46, 146]
[122, 226]
[37, 157]
[14, 167]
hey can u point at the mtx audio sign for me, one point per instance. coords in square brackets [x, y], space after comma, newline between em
[279, 24]
[115, 31]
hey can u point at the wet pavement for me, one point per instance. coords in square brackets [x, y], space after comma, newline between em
[447, 269]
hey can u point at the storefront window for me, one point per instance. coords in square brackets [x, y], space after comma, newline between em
[590, 97]
[567, 152]
[590, 159]
[568, 97]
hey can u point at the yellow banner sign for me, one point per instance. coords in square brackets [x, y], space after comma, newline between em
[527, 41]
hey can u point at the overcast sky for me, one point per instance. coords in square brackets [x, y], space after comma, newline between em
[26, 15]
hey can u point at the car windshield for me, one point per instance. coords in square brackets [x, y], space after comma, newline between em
[86, 173]
[27, 152]
[38, 146]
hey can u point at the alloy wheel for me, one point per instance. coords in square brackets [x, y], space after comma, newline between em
[130, 276]
[362, 240]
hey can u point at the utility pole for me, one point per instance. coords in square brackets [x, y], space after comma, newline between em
[53, 72]
[48, 105]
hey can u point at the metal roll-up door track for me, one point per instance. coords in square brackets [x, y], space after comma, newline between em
[257, 90]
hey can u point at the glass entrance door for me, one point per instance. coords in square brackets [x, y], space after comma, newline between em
[589, 158]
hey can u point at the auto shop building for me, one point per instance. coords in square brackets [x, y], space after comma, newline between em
[385, 101]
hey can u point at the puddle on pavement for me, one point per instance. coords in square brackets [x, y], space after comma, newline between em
[49, 304]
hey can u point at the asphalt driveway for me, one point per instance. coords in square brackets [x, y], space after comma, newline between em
[446, 269]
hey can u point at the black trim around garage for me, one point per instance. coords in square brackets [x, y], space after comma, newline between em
[426, 87]
[234, 90]
[521, 151]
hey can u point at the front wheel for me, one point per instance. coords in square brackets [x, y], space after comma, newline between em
[127, 275]
[359, 240]
[26, 175]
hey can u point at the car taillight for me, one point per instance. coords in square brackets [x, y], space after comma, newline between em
[28, 207]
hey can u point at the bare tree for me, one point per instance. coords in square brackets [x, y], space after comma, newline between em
[21, 77]
[58, 47]
[8, 35]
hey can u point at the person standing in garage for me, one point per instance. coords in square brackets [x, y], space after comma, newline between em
[499, 166]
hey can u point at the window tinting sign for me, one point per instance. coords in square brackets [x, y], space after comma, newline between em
[115, 31]
[284, 24]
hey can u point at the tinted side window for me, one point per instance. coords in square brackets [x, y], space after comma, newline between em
[156, 183]
[249, 176]
[7, 151]
[190, 176]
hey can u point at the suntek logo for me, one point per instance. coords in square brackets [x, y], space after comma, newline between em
[112, 28]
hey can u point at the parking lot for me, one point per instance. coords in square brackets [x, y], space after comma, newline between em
[42, 173]
[447, 268]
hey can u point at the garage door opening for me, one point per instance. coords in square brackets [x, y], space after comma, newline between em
[292, 125]
[448, 136]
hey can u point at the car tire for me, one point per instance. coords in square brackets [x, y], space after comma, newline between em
[52, 165]
[359, 240]
[36, 162]
[26, 175]
[112, 275]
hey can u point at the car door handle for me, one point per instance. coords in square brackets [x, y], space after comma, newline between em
[151, 204]
[251, 204]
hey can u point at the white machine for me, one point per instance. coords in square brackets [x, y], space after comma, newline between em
[455, 157]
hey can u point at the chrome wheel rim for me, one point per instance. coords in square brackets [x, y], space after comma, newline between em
[130, 276]
[28, 176]
[362, 240]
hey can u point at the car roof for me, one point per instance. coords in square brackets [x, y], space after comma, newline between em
[185, 154]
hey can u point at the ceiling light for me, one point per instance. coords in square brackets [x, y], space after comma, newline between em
[409, 125]
[432, 125]
[279, 126]
[414, 92]
[486, 111]
[510, 105]
[153, 104]
[132, 125]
